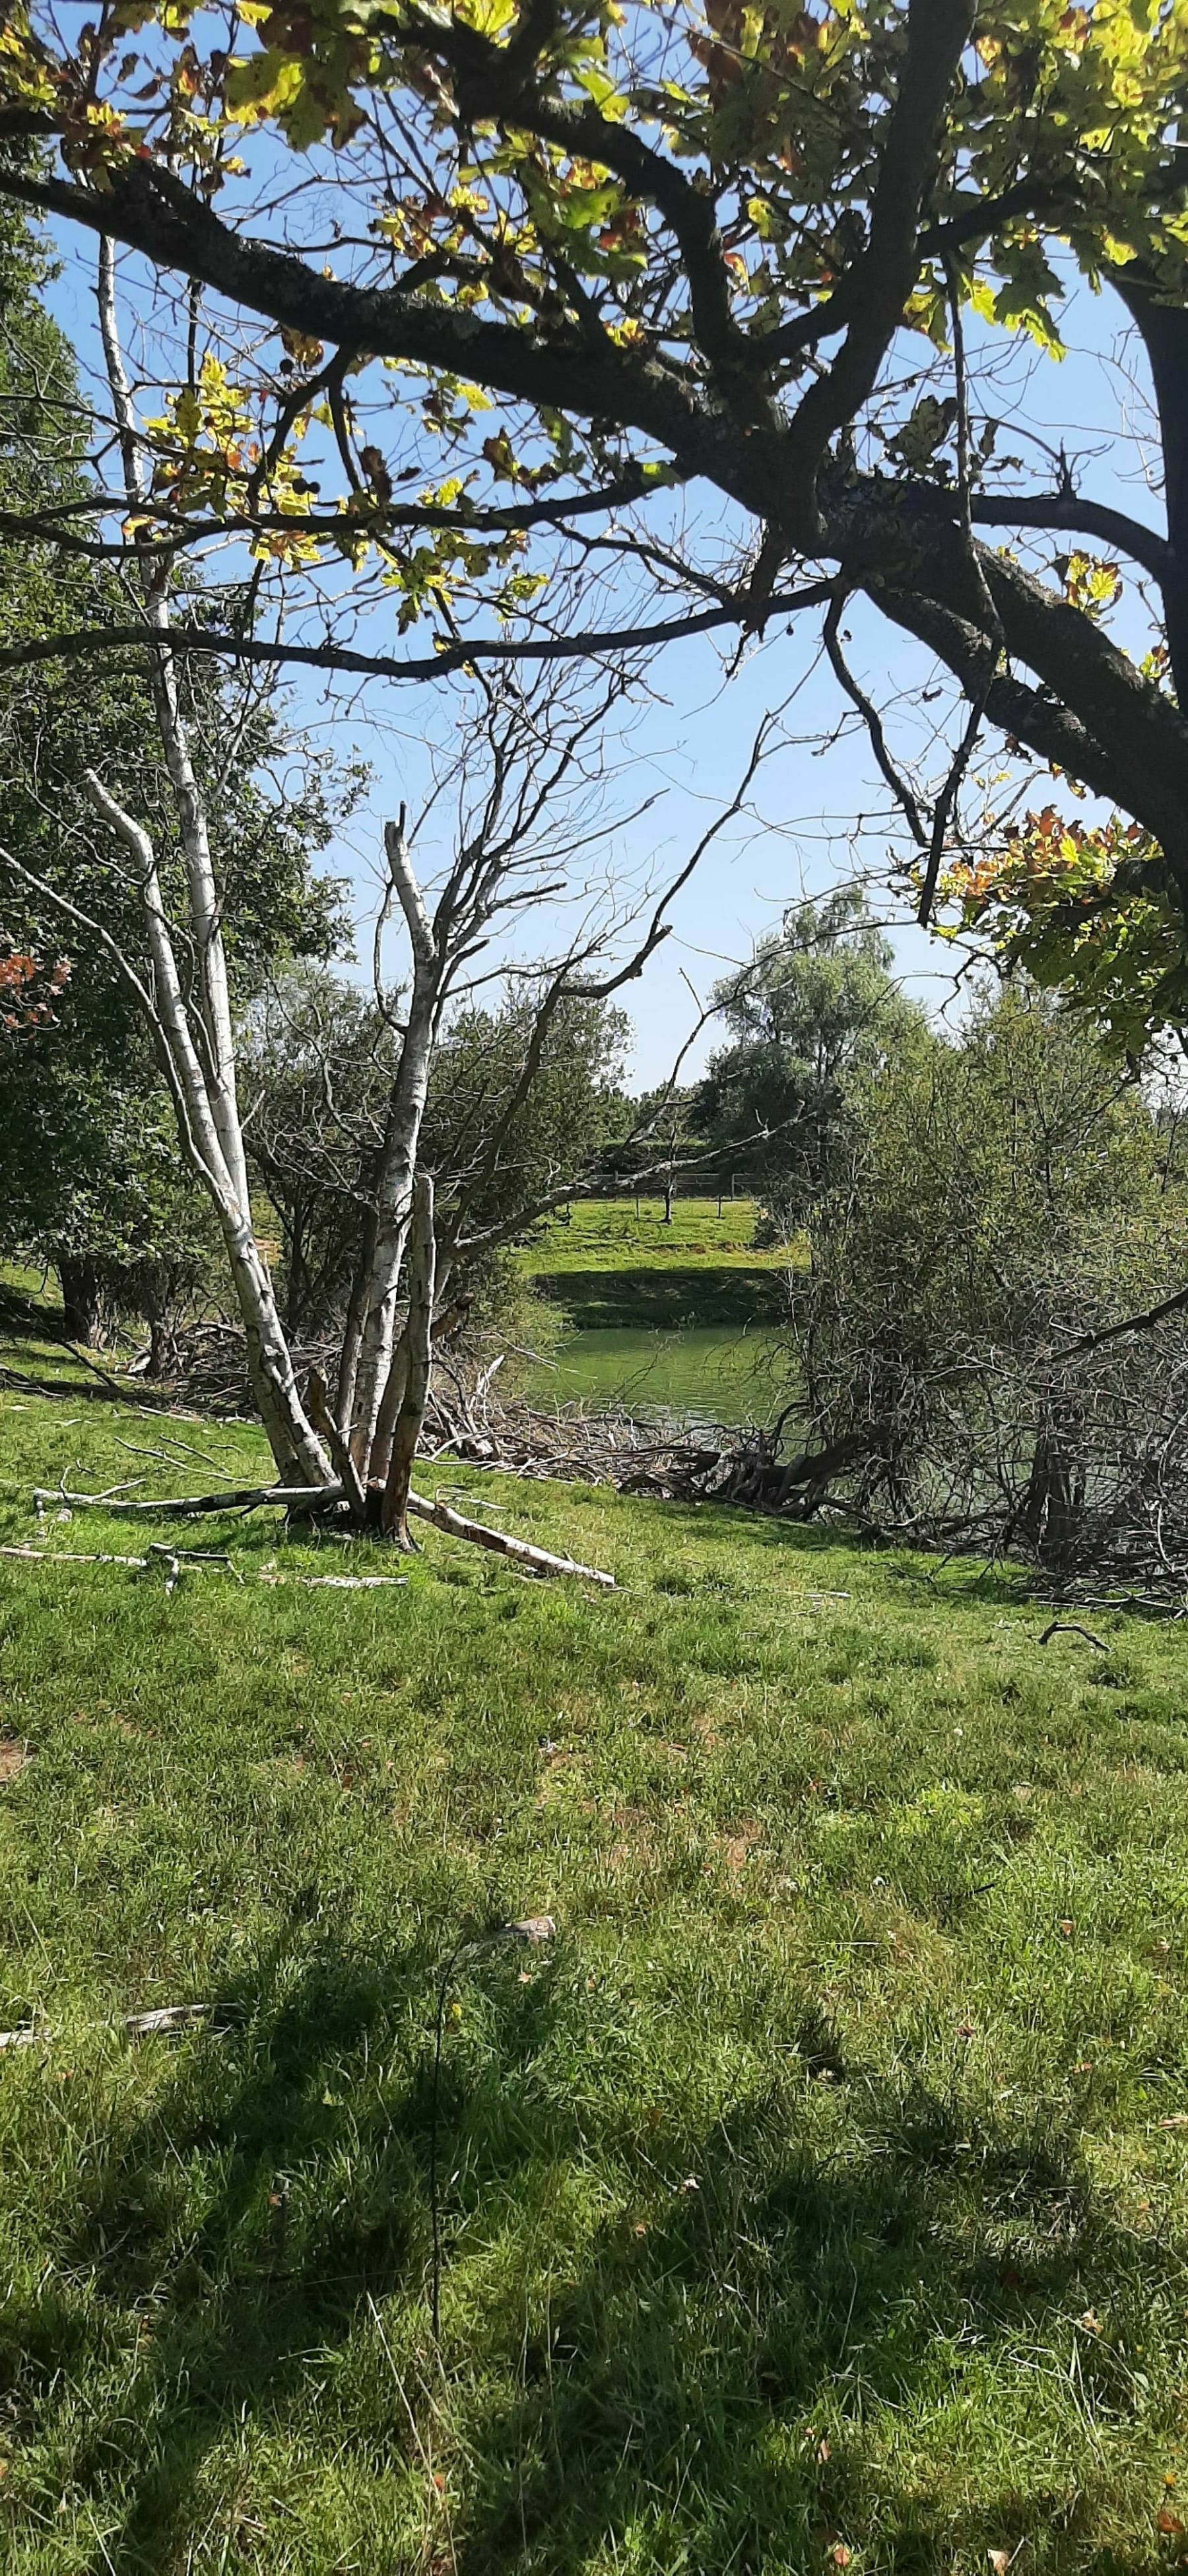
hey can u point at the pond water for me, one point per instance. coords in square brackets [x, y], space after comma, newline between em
[708, 1373]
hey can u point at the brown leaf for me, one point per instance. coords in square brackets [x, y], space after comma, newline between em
[840, 2555]
[1168, 2523]
[13, 1757]
[1000, 2560]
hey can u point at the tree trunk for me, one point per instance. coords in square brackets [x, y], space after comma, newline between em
[199, 1064]
[352, 1335]
[1051, 1505]
[397, 1161]
[79, 1277]
[419, 1338]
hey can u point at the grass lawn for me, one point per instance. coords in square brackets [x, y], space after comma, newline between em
[612, 1266]
[816, 2199]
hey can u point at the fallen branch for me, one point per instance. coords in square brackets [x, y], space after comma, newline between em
[539, 1559]
[1073, 1628]
[241, 1498]
[310, 1497]
[144, 2025]
[71, 1556]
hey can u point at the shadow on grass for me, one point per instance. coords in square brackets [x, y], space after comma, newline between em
[664, 1299]
[674, 2379]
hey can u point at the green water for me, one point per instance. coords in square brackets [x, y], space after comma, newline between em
[710, 1373]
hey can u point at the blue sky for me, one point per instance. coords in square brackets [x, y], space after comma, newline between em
[819, 810]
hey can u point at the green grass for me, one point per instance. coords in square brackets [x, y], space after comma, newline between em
[611, 1266]
[819, 2190]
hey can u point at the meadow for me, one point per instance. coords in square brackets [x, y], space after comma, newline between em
[614, 1262]
[814, 2199]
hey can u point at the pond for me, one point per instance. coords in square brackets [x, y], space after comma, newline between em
[708, 1373]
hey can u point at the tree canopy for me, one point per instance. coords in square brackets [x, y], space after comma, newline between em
[814, 1007]
[515, 277]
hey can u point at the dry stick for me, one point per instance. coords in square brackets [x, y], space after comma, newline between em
[145, 2025]
[1073, 1628]
[70, 1556]
[179, 1557]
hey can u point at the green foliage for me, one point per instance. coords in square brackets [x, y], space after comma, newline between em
[501, 1129]
[88, 1161]
[1089, 911]
[822, 2188]
[1002, 1197]
[816, 1007]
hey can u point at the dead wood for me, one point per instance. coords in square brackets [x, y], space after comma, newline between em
[538, 1559]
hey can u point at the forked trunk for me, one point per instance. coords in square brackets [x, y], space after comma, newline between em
[198, 1058]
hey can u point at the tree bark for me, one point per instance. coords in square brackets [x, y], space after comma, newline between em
[79, 1278]
[397, 1162]
[419, 1338]
[201, 1078]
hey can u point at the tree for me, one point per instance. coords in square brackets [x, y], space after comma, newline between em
[89, 1177]
[976, 1330]
[523, 811]
[813, 1008]
[603, 255]
[318, 1063]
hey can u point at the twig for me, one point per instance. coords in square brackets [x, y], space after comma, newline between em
[1073, 1628]
[872, 721]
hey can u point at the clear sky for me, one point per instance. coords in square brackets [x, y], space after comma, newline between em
[818, 810]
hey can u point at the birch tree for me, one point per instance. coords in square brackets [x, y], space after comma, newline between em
[524, 831]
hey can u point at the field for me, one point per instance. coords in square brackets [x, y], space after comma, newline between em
[815, 2199]
[612, 1266]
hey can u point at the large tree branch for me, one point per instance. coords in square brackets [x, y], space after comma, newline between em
[333, 657]
[150, 210]
[938, 31]
[1068, 512]
[1028, 715]
[1107, 725]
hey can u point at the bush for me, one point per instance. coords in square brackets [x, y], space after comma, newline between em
[1003, 1200]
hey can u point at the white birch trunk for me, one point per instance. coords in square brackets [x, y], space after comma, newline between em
[419, 1336]
[202, 1077]
[398, 1161]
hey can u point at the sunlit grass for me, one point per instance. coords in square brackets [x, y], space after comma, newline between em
[821, 2189]
[616, 1263]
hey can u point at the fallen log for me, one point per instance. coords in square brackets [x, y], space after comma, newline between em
[538, 1559]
